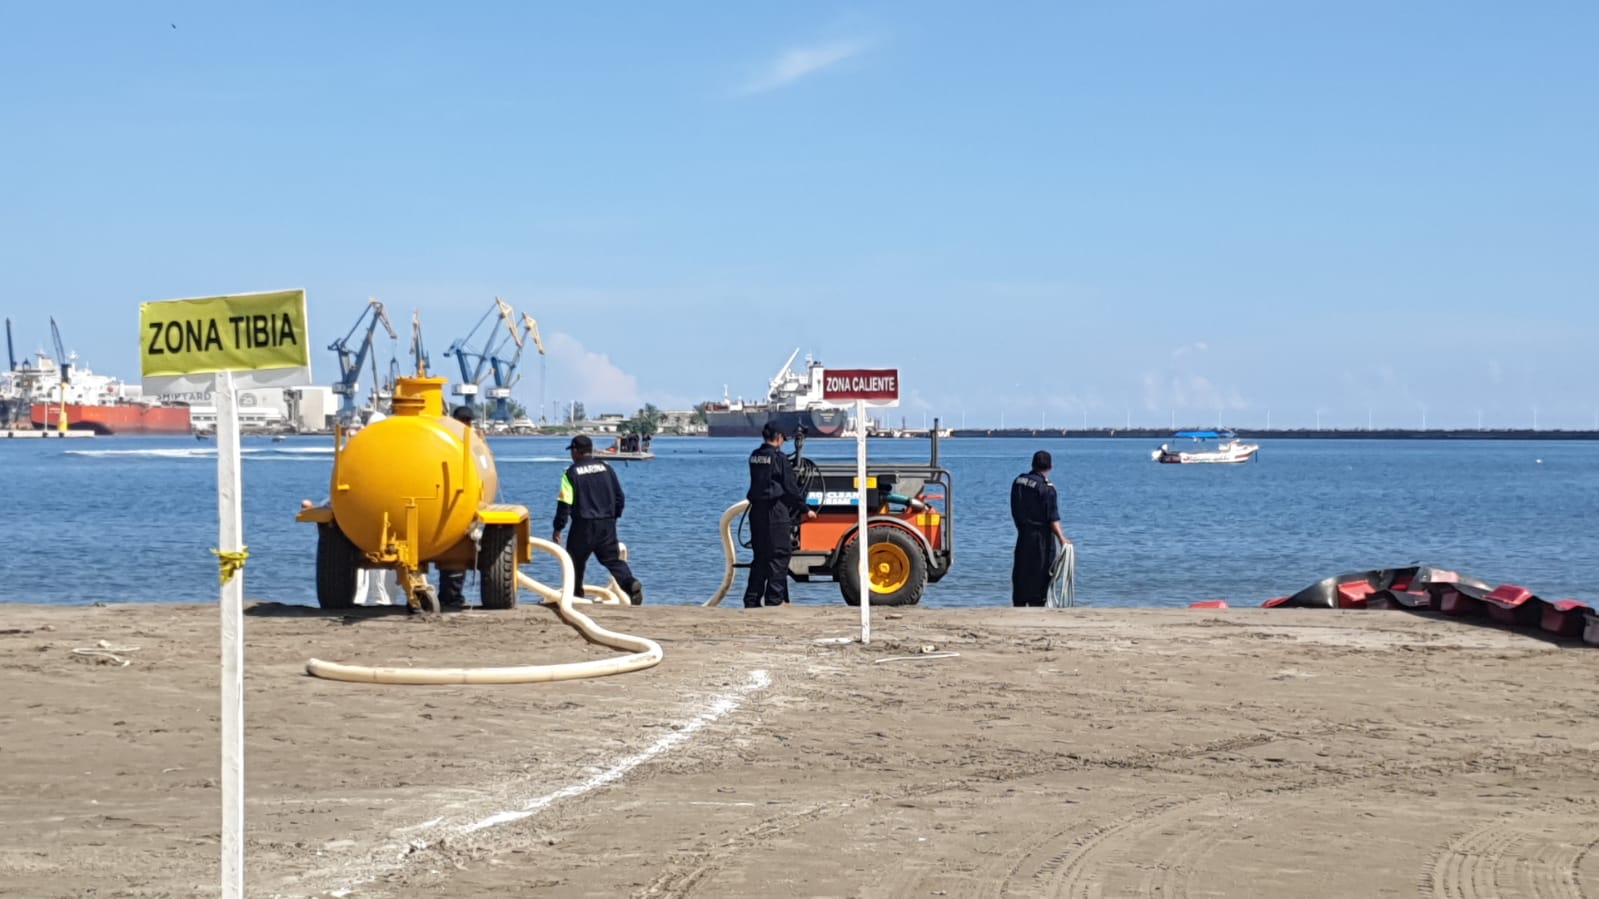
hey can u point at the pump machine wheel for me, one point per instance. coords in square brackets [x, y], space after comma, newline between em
[896, 566]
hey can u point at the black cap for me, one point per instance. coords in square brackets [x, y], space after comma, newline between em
[463, 413]
[581, 443]
[770, 430]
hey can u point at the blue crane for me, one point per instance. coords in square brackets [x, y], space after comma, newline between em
[11, 351]
[352, 360]
[504, 370]
[475, 364]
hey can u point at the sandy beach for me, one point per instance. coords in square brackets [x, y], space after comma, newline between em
[1062, 753]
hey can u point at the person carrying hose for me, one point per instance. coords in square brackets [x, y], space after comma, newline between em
[591, 497]
[774, 498]
[1036, 513]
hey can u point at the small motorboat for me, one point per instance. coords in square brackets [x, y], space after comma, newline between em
[628, 449]
[1230, 450]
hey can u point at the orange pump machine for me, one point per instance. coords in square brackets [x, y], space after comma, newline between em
[910, 529]
[415, 489]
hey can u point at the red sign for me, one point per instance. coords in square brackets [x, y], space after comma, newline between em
[861, 384]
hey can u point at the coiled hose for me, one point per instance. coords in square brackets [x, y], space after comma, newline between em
[1063, 579]
[642, 653]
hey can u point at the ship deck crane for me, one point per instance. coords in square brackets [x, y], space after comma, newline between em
[64, 369]
[352, 361]
[783, 374]
[8, 409]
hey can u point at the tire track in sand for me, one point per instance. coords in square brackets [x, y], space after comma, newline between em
[1170, 875]
[1537, 852]
[1079, 871]
[1076, 871]
[687, 871]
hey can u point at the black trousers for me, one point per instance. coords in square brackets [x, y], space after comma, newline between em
[770, 538]
[452, 586]
[1029, 573]
[596, 537]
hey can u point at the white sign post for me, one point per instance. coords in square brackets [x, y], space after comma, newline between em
[222, 344]
[865, 386]
[230, 549]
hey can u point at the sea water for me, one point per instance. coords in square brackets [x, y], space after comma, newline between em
[133, 519]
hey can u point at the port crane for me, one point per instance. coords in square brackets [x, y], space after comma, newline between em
[352, 361]
[418, 353]
[11, 351]
[477, 365]
[504, 370]
[383, 389]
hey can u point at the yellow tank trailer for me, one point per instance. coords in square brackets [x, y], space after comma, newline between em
[412, 490]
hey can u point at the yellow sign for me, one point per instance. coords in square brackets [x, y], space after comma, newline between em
[241, 332]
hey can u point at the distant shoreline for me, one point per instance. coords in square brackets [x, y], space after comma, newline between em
[1295, 433]
[1125, 433]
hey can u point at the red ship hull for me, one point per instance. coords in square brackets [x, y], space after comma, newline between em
[124, 418]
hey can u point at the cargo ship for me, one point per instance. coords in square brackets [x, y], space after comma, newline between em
[115, 418]
[98, 403]
[793, 401]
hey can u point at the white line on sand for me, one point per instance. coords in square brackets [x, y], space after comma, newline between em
[719, 707]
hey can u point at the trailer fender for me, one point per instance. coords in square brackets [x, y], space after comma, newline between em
[918, 536]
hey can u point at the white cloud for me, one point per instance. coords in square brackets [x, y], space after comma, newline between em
[1163, 391]
[802, 62]
[1198, 346]
[578, 373]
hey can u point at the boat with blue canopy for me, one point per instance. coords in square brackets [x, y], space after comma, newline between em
[1229, 450]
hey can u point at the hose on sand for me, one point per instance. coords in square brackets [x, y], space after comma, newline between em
[609, 595]
[642, 653]
[728, 553]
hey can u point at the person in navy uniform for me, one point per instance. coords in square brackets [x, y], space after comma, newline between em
[1036, 512]
[775, 501]
[452, 584]
[591, 497]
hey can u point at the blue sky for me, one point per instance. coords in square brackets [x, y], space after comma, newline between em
[1049, 212]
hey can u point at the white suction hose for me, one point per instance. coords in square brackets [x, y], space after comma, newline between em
[643, 653]
[728, 553]
[611, 594]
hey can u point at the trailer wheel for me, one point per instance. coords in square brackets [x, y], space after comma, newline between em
[895, 566]
[337, 564]
[427, 600]
[496, 565]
